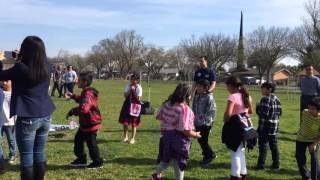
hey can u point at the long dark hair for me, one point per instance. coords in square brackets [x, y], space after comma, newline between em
[236, 83]
[180, 94]
[33, 54]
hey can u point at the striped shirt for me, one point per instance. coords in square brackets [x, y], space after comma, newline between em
[309, 129]
[178, 117]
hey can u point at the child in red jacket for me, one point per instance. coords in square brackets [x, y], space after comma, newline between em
[90, 122]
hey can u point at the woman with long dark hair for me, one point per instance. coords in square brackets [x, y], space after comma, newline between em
[32, 105]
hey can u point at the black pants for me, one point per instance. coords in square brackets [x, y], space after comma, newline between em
[301, 148]
[62, 89]
[90, 138]
[203, 141]
[265, 141]
[70, 87]
[56, 86]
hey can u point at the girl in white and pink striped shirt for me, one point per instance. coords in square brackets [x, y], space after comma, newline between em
[176, 124]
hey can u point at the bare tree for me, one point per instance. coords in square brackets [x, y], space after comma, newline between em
[178, 58]
[97, 59]
[128, 50]
[78, 62]
[220, 49]
[154, 60]
[305, 40]
[267, 46]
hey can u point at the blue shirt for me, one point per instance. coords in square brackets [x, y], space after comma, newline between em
[310, 86]
[26, 100]
[207, 73]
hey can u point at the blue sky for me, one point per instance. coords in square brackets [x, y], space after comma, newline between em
[76, 25]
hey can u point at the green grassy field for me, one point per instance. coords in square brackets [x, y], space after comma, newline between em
[125, 161]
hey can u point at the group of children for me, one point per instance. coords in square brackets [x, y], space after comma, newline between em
[178, 121]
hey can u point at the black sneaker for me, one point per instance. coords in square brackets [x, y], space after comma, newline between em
[95, 165]
[275, 168]
[206, 161]
[78, 163]
[258, 168]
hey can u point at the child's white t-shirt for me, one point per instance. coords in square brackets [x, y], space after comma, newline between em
[138, 89]
[6, 110]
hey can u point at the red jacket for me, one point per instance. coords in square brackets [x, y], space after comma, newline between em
[88, 111]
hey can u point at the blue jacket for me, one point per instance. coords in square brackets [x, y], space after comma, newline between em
[26, 100]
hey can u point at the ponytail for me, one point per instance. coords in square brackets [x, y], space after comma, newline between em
[245, 95]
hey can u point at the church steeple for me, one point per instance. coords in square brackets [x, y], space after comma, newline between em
[240, 58]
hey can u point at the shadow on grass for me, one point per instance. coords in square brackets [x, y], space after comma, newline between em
[100, 141]
[284, 138]
[55, 167]
[133, 161]
[213, 165]
[288, 133]
[138, 130]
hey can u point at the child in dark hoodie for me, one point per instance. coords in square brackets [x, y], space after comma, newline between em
[90, 123]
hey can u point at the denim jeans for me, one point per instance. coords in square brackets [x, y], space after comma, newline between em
[9, 131]
[31, 136]
[1, 151]
[70, 87]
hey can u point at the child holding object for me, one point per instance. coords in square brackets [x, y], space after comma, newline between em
[176, 124]
[308, 137]
[204, 108]
[90, 123]
[130, 112]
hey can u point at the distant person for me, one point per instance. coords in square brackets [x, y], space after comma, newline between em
[2, 162]
[308, 137]
[176, 128]
[130, 111]
[9, 122]
[269, 111]
[310, 88]
[204, 108]
[239, 101]
[31, 103]
[204, 72]
[63, 88]
[70, 78]
[57, 81]
[90, 123]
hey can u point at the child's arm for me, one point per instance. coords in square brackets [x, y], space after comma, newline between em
[75, 98]
[87, 102]
[228, 112]
[192, 134]
[73, 112]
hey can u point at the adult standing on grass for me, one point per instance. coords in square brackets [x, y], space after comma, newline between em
[310, 88]
[33, 106]
[130, 112]
[70, 79]
[57, 78]
[204, 72]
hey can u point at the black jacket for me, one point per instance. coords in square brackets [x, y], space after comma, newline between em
[238, 129]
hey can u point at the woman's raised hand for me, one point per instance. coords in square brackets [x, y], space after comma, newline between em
[2, 55]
